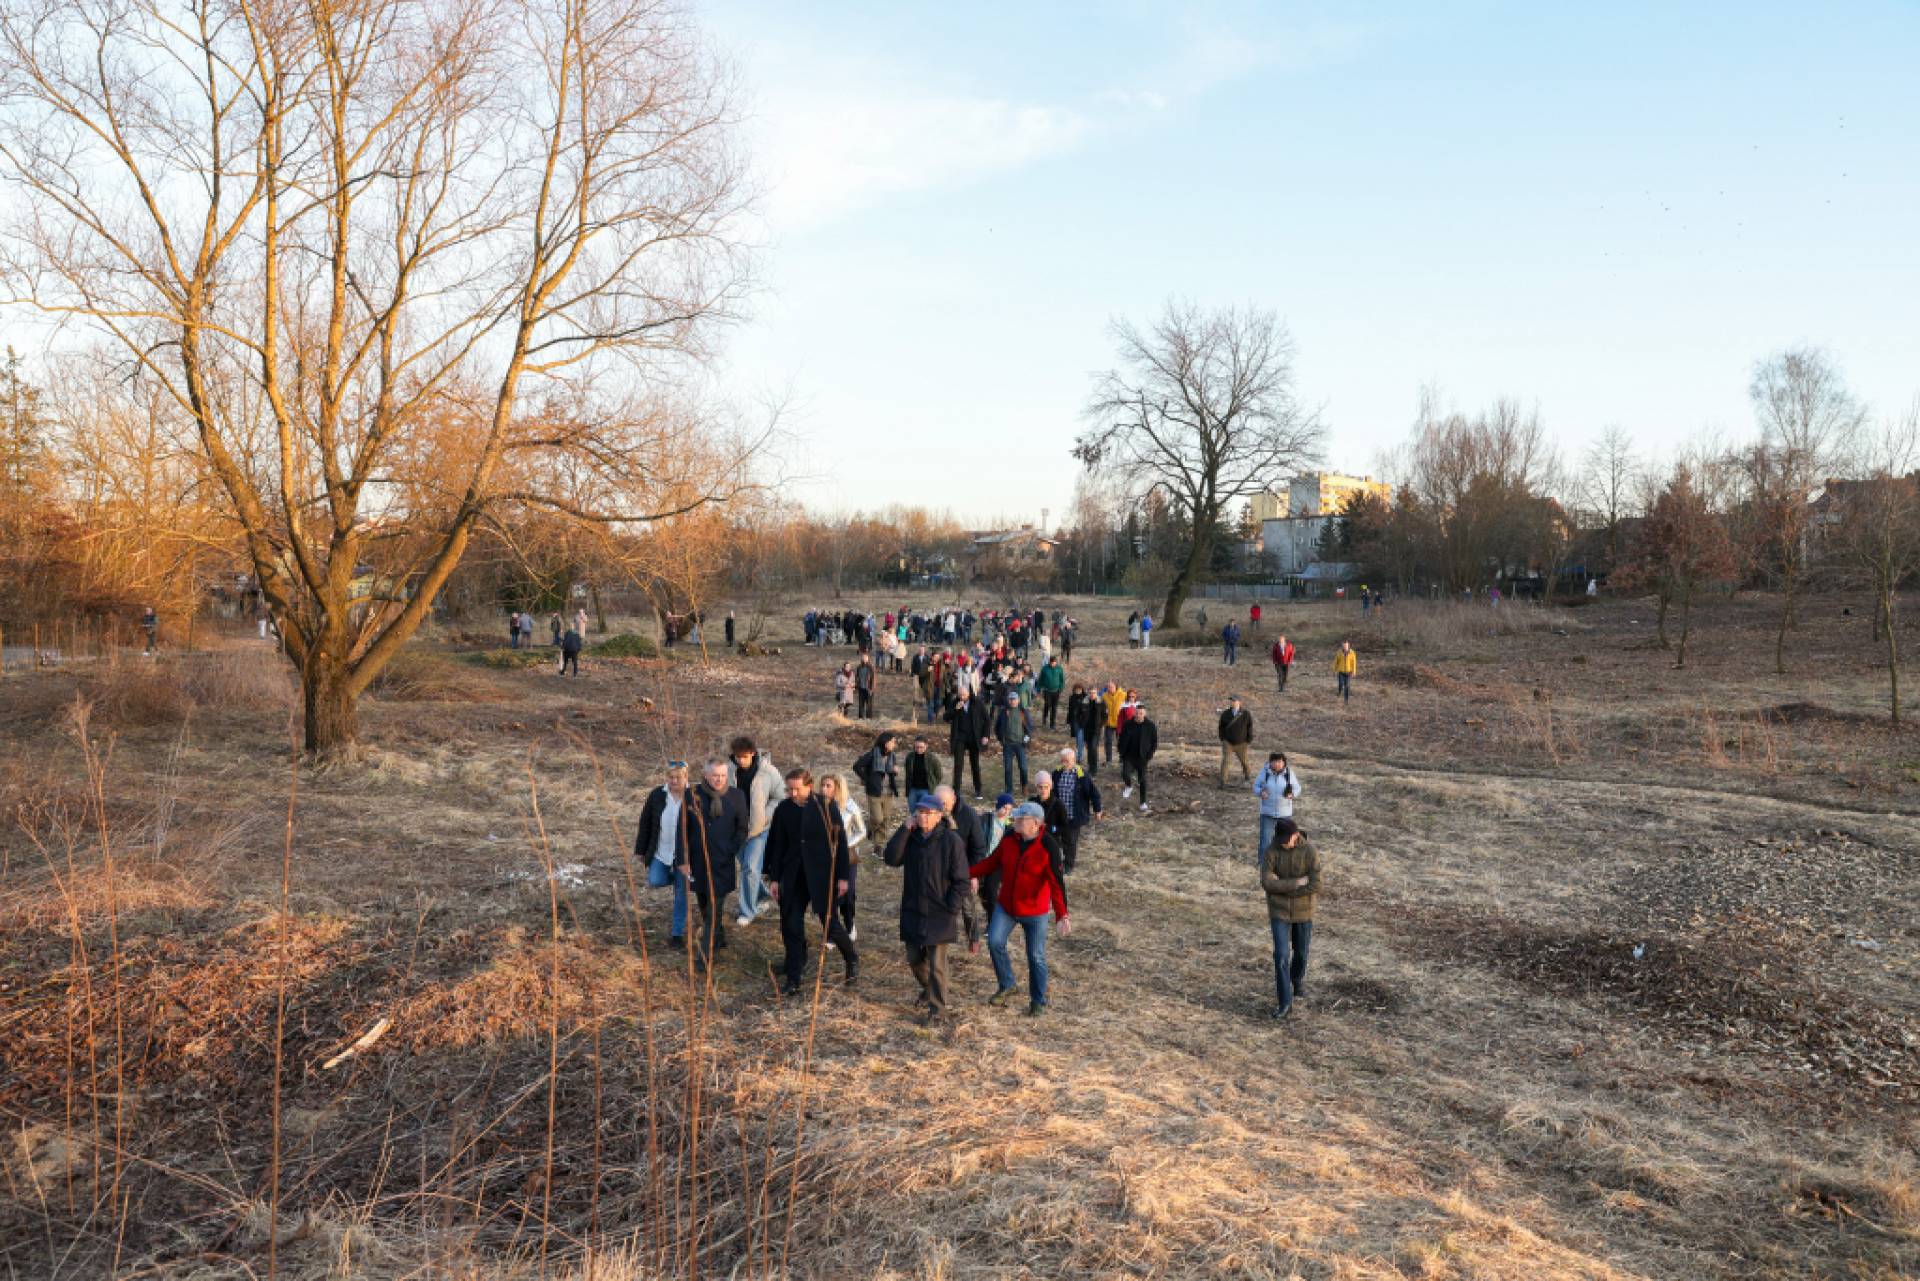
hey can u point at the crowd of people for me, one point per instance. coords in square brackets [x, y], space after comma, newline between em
[793, 843]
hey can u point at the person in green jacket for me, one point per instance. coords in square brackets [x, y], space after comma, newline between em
[1052, 679]
[1290, 874]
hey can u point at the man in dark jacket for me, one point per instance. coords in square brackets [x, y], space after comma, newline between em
[933, 896]
[1079, 802]
[863, 678]
[1013, 726]
[1236, 731]
[713, 828]
[880, 776]
[967, 735]
[1092, 725]
[1290, 874]
[972, 830]
[1139, 740]
[570, 645]
[807, 865]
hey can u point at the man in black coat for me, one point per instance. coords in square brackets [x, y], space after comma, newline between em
[807, 867]
[1236, 731]
[968, 735]
[713, 828]
[1139, 740]
[933, 895]
[972, 830]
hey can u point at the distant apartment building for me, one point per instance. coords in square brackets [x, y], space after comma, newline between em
[1291, 540]
[1325, 493]
[1267, 505]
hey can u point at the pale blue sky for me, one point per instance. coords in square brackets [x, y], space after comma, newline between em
[1610, 211]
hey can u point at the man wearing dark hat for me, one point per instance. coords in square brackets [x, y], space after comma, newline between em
[933, 893]
[1290, 874]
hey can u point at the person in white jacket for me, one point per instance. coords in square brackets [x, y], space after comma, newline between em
[1278, 787]
[754, 773]
[834, 790]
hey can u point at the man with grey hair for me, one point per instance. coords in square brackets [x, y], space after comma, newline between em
[972, 830]
[1079, 800]
[1028, 863]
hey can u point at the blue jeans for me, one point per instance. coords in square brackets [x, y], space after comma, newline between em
[1290, 973]
[752, 891]
[1009, 753]
[1232, 653]
[658, 875]
[1267, 822]
[1345, 688]
[1080, 746]
[933, 709]
[1036, 934]
[1109, 736]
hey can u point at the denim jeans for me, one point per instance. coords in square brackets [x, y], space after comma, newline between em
[752, 891]
[1009, 753]
[1108, 739]
[658, 875]
[1267, 823]
[1035, 928]
[1345, 687]
[1290, 973]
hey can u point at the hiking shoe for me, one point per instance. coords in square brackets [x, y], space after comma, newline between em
[923, 1002]
[678, 942]
[1125, 792]
[1143, 807]
[1281, 1012]
[742, 921]
[792, 988]
[1035, 1010]
[853, 976]
[1001, 997]
[853, 933]
[719, 937]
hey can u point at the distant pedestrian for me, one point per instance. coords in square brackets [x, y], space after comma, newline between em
[1290, 874]
[1345, 665]
[513, 629]
[1283, 656]
[526, 630]
[864, 675]
[1253, 615]
[580, 622]
[933, 898]
[1133, 629]
[729, 629]
[1230, 641]
[843, 690]
[1236, 732]
[150, 623]
[570, 646]
[1146, 631]
[554, 627]
[1277, 787]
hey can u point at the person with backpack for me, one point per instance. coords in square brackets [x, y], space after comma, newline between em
[1290, 875]
[1139, 740]
[1346, 664]
[1013, 726]
[1283, 656]
[513, 630]
[934, 891]
[713, 828]
[807, 867]
[1051, 680]
[1028, 862]
[879, 774]
[1277, 787]
[1236, 732]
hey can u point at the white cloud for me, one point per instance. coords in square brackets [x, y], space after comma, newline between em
[834, 153]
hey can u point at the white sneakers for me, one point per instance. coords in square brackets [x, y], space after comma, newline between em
[1143, 807]
[1126, 792]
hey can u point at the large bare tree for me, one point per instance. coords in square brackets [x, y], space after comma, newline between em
[1806, 417]
[1607, 483]
[1201, 409]
[372, 252]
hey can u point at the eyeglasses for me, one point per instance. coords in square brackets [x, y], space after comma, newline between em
[676, 764]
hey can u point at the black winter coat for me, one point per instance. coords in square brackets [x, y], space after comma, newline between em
[969, 723]
[647, 839]
[934, 891]
[878, 773]
[807, 851]
[710, 842]
[1139, 740]
[1236, 727]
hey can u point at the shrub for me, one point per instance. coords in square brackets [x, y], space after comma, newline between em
[511, 659]
[627, 645]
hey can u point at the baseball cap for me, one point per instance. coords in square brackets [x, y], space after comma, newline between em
[1030, 810]
[927, 802]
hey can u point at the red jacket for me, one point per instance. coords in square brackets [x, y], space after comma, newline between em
[1283, 654]
[1028, 884]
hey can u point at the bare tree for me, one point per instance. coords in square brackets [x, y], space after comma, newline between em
[1806, 414]
[1607, 484]
[353, 243]
[1875, 541]
[1681, 546]
[1202, 410]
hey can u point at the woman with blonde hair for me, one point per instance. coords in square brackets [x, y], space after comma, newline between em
[834, 790]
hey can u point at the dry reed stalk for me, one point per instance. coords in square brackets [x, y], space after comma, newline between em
[280, 999]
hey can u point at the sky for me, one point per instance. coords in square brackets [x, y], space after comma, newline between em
[1607, 212]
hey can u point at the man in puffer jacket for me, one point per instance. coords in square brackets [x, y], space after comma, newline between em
[1290, 874]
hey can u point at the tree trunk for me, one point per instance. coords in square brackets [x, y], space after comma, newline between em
[1686, 623]
[331, 708]
[1660, 620]
[1780, 640]
[1893, 656]
[1183, 581]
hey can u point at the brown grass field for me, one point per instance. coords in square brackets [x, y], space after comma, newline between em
[1616, 975]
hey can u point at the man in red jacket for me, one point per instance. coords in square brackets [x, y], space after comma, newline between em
[1031, 887]
[1282, 660]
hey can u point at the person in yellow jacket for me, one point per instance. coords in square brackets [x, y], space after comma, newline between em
[1345, 664]
[1112, 698]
